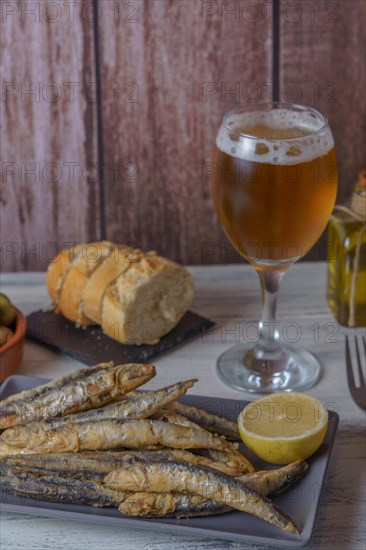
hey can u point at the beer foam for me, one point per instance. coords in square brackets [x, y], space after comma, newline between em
[284, 151]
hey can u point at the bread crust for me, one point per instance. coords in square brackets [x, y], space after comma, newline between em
[147, 301]
[87, 261]
[109, 270]
[135, 296]
[58, 269]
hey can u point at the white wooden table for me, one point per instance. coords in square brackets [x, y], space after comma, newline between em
[230, 296]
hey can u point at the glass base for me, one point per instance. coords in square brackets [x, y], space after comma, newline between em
[288, 369]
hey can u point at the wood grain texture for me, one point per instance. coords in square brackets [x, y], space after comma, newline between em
[322, 64]
[229, 295]
[167, 78]
[169, 70]
[47, 50]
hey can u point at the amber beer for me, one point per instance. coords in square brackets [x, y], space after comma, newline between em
[273, 196]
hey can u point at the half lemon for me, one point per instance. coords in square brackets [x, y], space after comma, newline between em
[283, 427]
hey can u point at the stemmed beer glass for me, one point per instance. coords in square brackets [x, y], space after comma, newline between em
[274, 187]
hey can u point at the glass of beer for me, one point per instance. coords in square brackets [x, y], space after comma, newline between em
[274, 186]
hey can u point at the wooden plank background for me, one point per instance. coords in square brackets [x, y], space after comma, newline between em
[167, 70]
[180, 59]
[52, 131]
[322, 64]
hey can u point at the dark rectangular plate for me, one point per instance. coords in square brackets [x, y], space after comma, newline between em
[90, 345]
[300, 501]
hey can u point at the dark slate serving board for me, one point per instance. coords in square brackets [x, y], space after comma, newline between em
[89, 345]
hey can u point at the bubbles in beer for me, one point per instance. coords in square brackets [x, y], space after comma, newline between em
[293, 151]
[275, 128]
[261, 149]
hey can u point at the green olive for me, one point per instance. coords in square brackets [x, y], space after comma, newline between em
[7, 311]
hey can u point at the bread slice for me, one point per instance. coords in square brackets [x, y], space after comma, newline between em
[136, 297]
[86, 262]
[106, 273]
[58, 269]
[147, 300]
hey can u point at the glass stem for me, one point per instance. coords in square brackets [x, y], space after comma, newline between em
[268, 327]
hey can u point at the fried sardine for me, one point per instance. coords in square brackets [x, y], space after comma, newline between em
[77, 394]
[111, 434]
[182, 477]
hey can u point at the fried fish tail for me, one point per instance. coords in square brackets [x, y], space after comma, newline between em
[230, 462]
[209, 421]
[233, 458]
[272, 482]
[181, 477]
[174, 418]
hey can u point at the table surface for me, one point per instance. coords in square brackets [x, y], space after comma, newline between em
[229, 295]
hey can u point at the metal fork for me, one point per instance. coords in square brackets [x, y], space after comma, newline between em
[358, 393]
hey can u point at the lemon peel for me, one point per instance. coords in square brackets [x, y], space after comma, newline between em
[283, 427]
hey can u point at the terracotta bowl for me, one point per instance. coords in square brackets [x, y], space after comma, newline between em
[11, 353]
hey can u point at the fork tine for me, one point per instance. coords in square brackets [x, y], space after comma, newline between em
[351, 380]
[359, 393]
[359, 365]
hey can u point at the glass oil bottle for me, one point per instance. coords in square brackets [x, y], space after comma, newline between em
[346, 292]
